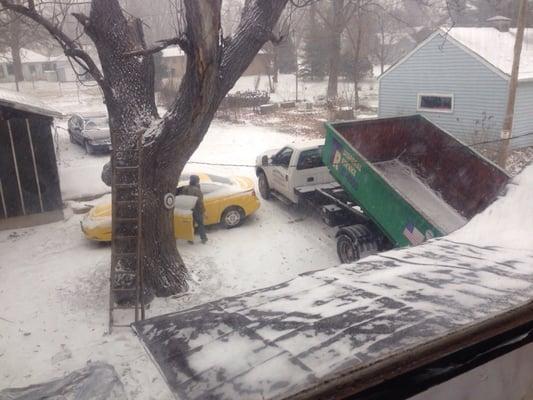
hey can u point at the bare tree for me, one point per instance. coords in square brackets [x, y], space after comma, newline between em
[336, 19]
[214, 64]
[17, 33]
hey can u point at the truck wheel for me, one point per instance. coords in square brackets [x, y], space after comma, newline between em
[347, 249]
[232, 217]
[264, 188]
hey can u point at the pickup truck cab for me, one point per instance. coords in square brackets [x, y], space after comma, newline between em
[288, 171]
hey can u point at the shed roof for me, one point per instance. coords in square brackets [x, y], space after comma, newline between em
[24, 102]
[497, 47]
[491, 46]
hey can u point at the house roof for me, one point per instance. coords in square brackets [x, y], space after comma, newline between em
[24, 102]
[497, 47]
[176, 51]
[27, 56]
[489, 45]
[172, 51]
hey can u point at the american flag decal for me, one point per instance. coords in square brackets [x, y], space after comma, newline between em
[413, 235]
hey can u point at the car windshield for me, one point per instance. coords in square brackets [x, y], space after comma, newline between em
[96, 122]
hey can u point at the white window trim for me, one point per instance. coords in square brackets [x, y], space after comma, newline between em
[435, 110]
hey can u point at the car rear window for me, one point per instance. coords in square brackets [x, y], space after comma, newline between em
[310, 159]
[220, 179]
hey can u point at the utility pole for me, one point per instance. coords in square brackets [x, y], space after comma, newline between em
[509, 112]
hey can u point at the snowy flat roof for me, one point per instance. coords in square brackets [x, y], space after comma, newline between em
[298, 335]
[24, 102]
[497, 47]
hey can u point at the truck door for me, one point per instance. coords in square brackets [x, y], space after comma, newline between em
[280, 171]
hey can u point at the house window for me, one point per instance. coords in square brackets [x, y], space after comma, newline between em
[48, 66]
[2, 75]
[435, 102]
[32, 69]
[10, 69]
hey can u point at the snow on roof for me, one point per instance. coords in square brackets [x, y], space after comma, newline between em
[23, 102]
[176, 51]
[27, 56]
[497, 47]
[172, 51]
[344, 321]
[499, 18]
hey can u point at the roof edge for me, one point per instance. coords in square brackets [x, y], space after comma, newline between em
[447, 36]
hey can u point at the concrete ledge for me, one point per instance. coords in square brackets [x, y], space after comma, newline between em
[31, 220]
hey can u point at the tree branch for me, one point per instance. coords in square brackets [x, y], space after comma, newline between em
[255, 28]
[61, 37]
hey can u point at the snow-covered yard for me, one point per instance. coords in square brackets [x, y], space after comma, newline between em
[54, 283]
[53, 297]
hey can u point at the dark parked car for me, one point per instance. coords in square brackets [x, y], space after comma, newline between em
[91, 132]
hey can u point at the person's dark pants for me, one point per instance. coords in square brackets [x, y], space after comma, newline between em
[198, 219]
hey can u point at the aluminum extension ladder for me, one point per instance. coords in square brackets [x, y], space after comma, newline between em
[126, 276]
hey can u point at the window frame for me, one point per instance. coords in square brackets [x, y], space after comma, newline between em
[304, 153]
[277, 164]
[436, 110]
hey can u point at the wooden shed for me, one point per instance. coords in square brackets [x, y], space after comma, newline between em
[29, 180]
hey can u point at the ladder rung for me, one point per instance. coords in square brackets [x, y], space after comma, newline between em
[126, 167]
[120, 326]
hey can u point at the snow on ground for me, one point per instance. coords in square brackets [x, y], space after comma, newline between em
[54, 291]
[54, 283]
[309, 90]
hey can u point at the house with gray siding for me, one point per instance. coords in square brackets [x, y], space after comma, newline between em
[458, 78]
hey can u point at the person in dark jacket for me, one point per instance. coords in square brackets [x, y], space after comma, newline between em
[193, 189]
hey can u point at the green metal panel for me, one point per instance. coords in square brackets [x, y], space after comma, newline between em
[398, 220]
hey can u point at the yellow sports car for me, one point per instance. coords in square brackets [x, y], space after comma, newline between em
[227, 200]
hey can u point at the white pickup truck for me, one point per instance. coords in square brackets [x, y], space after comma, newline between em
[295, 174]
[287, 172]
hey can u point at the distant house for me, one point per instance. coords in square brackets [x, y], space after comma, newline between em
[29, 180]
[37, 67]
[458, 78]
[174, 62]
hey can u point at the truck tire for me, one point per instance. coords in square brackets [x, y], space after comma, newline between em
[347, 249]
[354, 240]
[264, 187]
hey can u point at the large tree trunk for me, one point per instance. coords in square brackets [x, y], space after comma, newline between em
[15, 33]
[130, 102]
[334, 46]
[357, 63]
[213, 66]
[17, 63]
